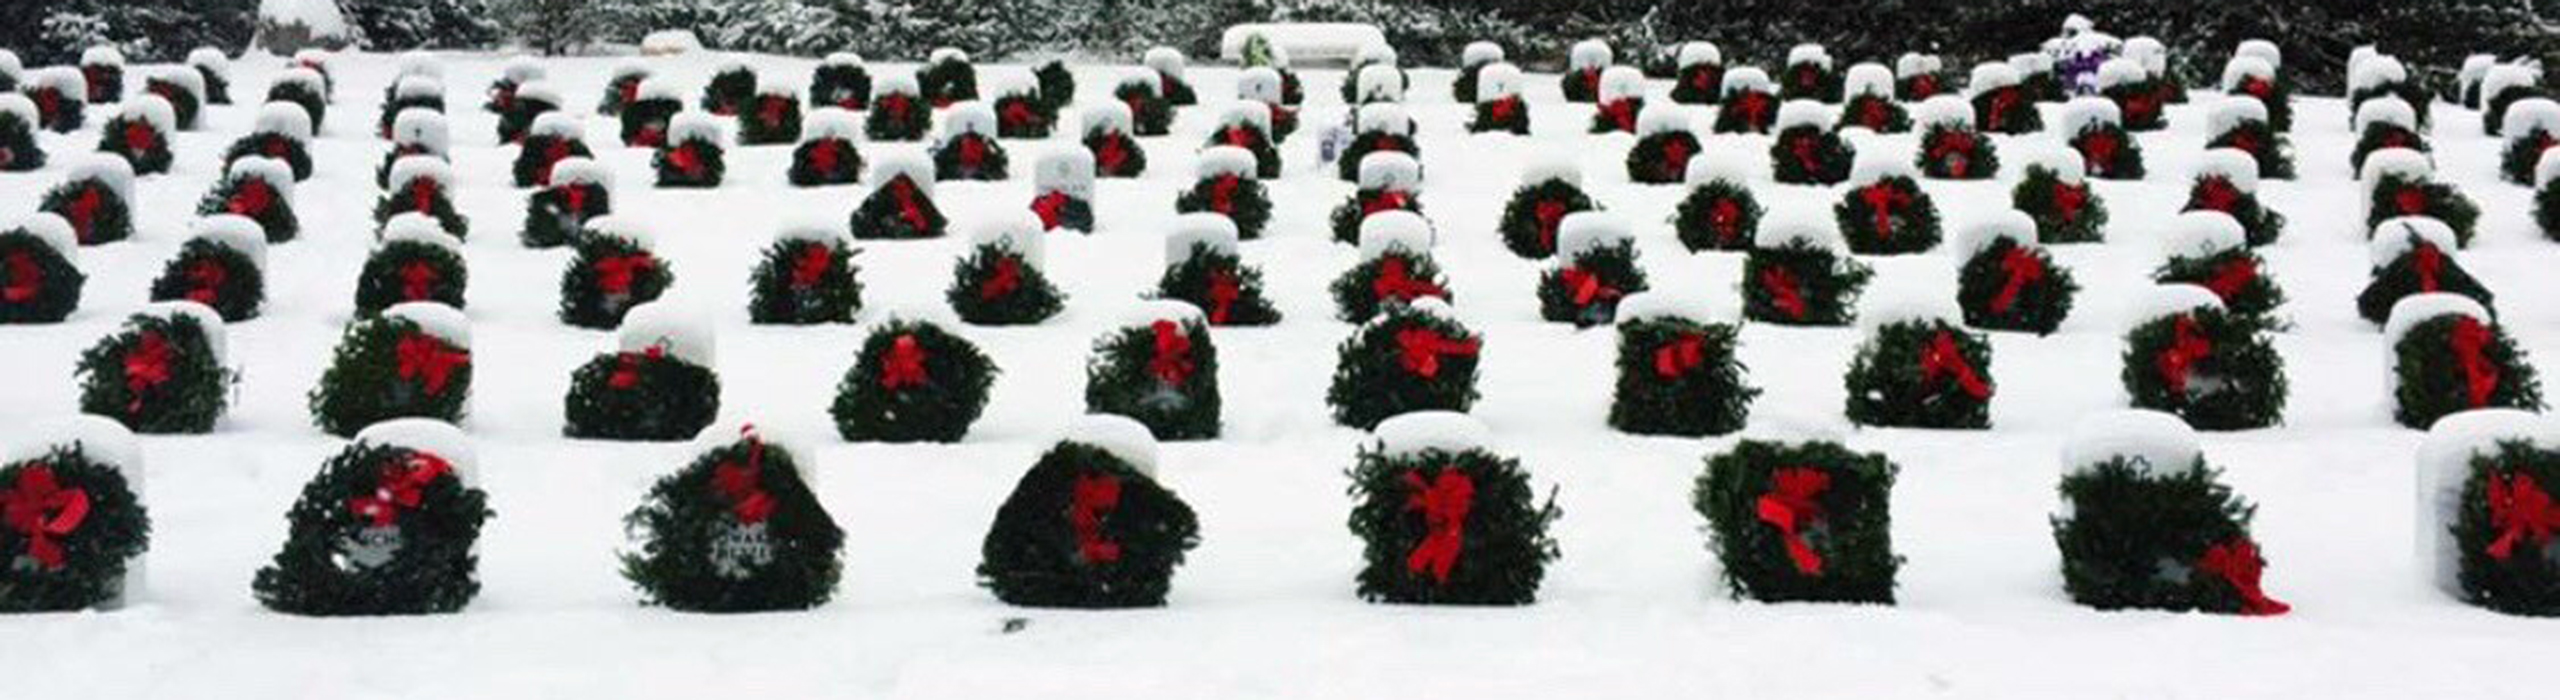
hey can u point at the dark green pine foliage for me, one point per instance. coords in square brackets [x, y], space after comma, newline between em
[215, 275]
[691, 163]
[1585, 291]
[519, 115]
[2272, 151]
[1957, 152]
[1083, 529]
[1164, 375]
[1809, 155]
[805, 281]
[609, 276]
[2522, 576]
[946, 82]
[644, 123]
[1876, 113]
[1747, 111]
[995, 286]
[137, 142]
[771, 119]
[825, 160]
[92, 556]
[1618, 115]
[1581, 86]
[2237, 276]
[2546, 210]
[19, 151]
[387, 368]
[555, 216]
[1679, 377]
[913, 382]
[37, 284]
[1698, 84]
[1407, 359]
[382, 530]
[2006, 110]
[1056, 85]
[2522, 154]
[1221, 285]
[1809, 81]
[253, 196]
[1020, 116]
[1508, 115]
[183, 103]
[538, 152]
[156, 375]
[737, 530]
[1921, 374]
[842, 85]
[2217, 371]
[2011, 287]
[1364, 202]
[2397, 196]
[2381, 135]
[2135, 537]
[1368, 142]
[1802, 522]
[1662, 158]
[1449, 528]
[1799, 284]
[898, 209]
[970, 156]
[2425, 268]
[729, 91]
[2454, 363]
[304, 95]
[1394, 278]
[897, 116]
[2258, 222]
[1716, 215]
[1149, 113]
[2110, 152]
[1890, 216]
[68, 111]
[422, 194]
[641, 395]
[2064, 212]
[1115, 154]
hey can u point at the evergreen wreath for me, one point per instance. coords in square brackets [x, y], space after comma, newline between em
[1918, 87]
[1507, 114]
[608, 276]
[1585, 290]
[1407, 359]
[2277, 95]
[826, 160]
[215, 275]
[2207, 366]
[1803, 522]
[1368, 142]
[2261, 224]
[729, 91]
[1921, 374]
[1394, 278]
[518, 118]
[844, 85]
[382, 172]
[1284, 121]
[2110, 151]
[1661, 158]
[1889, 216]
[1163, 375]
[1717, 215]
[1115, 154]
[423, 195]
[995, 286]
[386, 368]
[2041, 85]
[1350, 84]
[2418, 96]
[622, 90]
[1244, 201]
[897, 116]
[105, 80]
[19, 151]
[775, 120]
[2454, 363]
[1054, 86]
[73, 526]
[1618, 115]
[2546, 210]
[1698, 84]
[1876, 113]
[1957, 152]
[2006, 110]
[1364, 202]
[157, 375]
[2397, 196]
[1084, 529]
[1809, 81]
[183, 102]
[1809, 155]
[1679, 377]
[2520, 156]
[2139, 104]
[947, 82]
[2064, 212]
[1266, 156]
[502, 94]
[803, 282]
[1059, 210]
[252, 196]
[137, 141]
[2423, 269]
[1221, 285]
[1801, 285]
[1580, 86]
[2272, 151]
[1020, 116]
[691, 163]
[2236, 275]
[644, 123]
[1176, 92]
[1443, 527]
[913, 382]
[394, 103]
[2179, 541]
[539, 152]
[382, 530]
[2378, 136]
[557, 215]
[37, 284]
[640, 395]
[1530, 219]
[969, 156]
[58, 111]
[300, 94]
[2011, 287]
[1149, 113]
[1462, 89]
[737, 530]
[402, 271]
[898, 209]
[217, 86]
[2502, 528]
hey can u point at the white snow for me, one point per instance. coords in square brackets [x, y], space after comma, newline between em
[417, 86]
[428, 436]
[1558, 167]
[2262, 50]
[416, 63]
[1064, 169]
[2415, 309]
[628, 229]
[1806, 225]
[1912, 64]
[827, 233]
[699, 127]
[2376, 72]
[435, 319]
[1809, 53]
[538, 92]
[1109, 116]
[1390, 170]
[656, 87]
[409, 169]
[1388, 118]
[1746, 78]
[684, 333]
[1222, 161]
[1411, 434]
[1664, 305]
[2231, 112]
[149, 109]
[576, 170]
[1199, 229]
[101, 56]
[911, 165]
[1795, 113]
[1478, 53]
[55, 233]
[1146, 312]
[1588, 54]
[114, 172]
[1251, 115]
[971, 117]
[2545, 168]
[2155, 444]
[2169, 300]
[1395, 230]
[2121, 71]
[1942, 109]
[2474, 67]
[558, 125]
[2444, 464]
[1260, 84]
[424, 128]
[1166, 60]
[1883, 311]
[2231, 164]
[2031, 63]
[2396, 236]
[2153, 55]
[1018, 232]
[233, 231]
[287, 119]
[102, 440]
[1621, 83]
[215, 337]
[895, 83]
[17, 107]
[1695, 53]
[305, 78]
[1122, 437]
[421, 228]
[2529, 115]
[186, 79]
[670, 42]
[2009, 224]
[2084, 113]
[2201, 234]
[11, 67]
[1381, 82]
[319, 16]
[2387, 109]
[1585, 231]
[1868, 79]
[1875, 164]
[1318, 41]
[1663, 117]
[946, 54]
[63, 79]
[2390, 162]
[1705, 170]
[830, 123]
[2242, 68]
[275, 172]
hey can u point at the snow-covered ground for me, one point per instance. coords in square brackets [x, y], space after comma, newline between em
[1265, 607]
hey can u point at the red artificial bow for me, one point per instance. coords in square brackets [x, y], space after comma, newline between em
[770, 110]
[26, 278]
[1955, 149]
[1171, 363]
[1881, 198]
[1051, 207]
[1094, 497]
[1224, 290]
[1676, 358]
[275, 147]
[2521, 512]
[417, 280]
[1111, 154]
[1924, 86]
[2002, 100]
[552, 154]
[2068, 200]
[743, 484]
[251, 198]
[2239, 565]
[1501, 111]
[2217, 194]
[1549, 212]
[204, 278]
[1015, 113]
[48, 104]
[615, 274]
[1725, 217]
[1802, 145]
[812, 263]
[1222, 193]
[1002, 281]
[1755, 110]
[2410, 200]
[1419, 350]
[1621, 114]
[83, 212]
[422, 195]
[1590, 78]
[903, 365]
[686, 159]
[910, 205]
[1395, 281]
[629, 88]
[2245, 141]
[2187, 344]
[823, 157]
[399, 485]
[626, 371]
[1783, 294]
[973, 151]
[1586, 286]
[2428, 263]
[1384, 200]
[1943, 358]
[1237, 136]
[2469, 340]
[651, 135]
[2023, 268]
[1872, 114]
[429, 361]
[2233, 276]
[2100, 149]
[2139, 108]
[574, 198]
[147, 366]
[40, 510]
[1444, 501]
[140, 138]
[1675, 157]
[2257, 87]
[1790, 507]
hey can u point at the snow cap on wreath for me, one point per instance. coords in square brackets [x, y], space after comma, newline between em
[2232, 165]
[1868, 79]
[2235, 110]
[679, 332]
[411, 62]
[421, 128]
[2419, 308]
[2546, 168]
[1948, 110]
[2445, 466]
[435, 319]
[1497, 82]
[2121, 71]
[1746, 78]
[55, 233]
[626, 229]
[417, 87]
[409, 169]
[2529, 115]
[898, 83]
[2385, 109]
[1812, 228]
[1795, 113]
[2170, 300]
[1621, 83]
[1991, 76]
[11, 67]
[2377, 71]
[842, 59]
[1479, 53]
[101, 55]
[830, 123]
[1105, 117]
[429, 436]
[1551, 167]
[1259, 84]
[1658, 305]
[1383, 119]
[204, 316]
[2154, 443]
[558, 125]
[1199, 229]
[17, 105]
[1245, 114]
[1918, 309]
[64, 80]
[1912, 64]
[1874, 165]
[2390, 162]
[2016, 227]
[1729, 171]
[2066, 165]
[102, 440]
[909, 164]
[1166, 60]
[704, 127]
[1397, 231]
[539, 91]
[581, 170]
[1376, 82]
[2241, 69]
[970, 117]
[2396, 236]
[2031, 63]
[275, 172]
[2508, 76]
[2148, 52]
[521, 70]
[1588, 54]
[2085, 113]
[1584, 231]
[1122, 437]
[1390, 170]
[113, 172]
[1809, 53]
[1408, 435]
[658, 88]
[238, 233]
[1017, 232]
[2474, 67]
[1662, 118]
[1068, 170]
[1225, 161]
[150, 109]
[2202, 234]
[186, 79]
[2260, 49]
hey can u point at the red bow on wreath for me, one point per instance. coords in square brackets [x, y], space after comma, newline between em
[48, 104]
[1003, 280]
[1881, 198]
[2231, 277]
[1790, 507]
[896, 105]
[422, 195]
[1222, 193]
[2239, 566]
[770, 110]
[2469, 340]
[1872, 114]
[399, 485]
[1781, 285]
[1015, 113]
[1590, 79]
[811, 265]
[1725, 217]
[2521, 512]
[743, 484]
[1676, 358]
[973, 151]
[83, 212]
[1224, 290]
[2217, 194]
[1586, 286]
[504, 97]
[2245, 141]
[1548, 213]
[910, 205]
[574, 199]
[1675, 157]
[425, 359]
[2002, 101]
[823, 156]
[1444, 501]
[251, 198]
[1802, 146]
[1110, 154]
[2428, 262]
[1093, 498]
[146, 367]
[1237, 136]
[1955, 149]
[1419, 350]
[417, 280]
[2139, 108]
[903, 365]
[616, 273]
[26, 278]
[2069, 199]
[1171, 362]
[1943, 358]
[2023, 268]
[2187, 345]
[2100, 149]
[140, 138]
[2410, 200]
[686, 159]
[1755, 110]
[41, 511]
[552, 154]
[1621, 114]
[2257, 87]
[650, 135]
[629, 90]
[1501, 111]
[626, 371]
[205, 277]
[1924, 86]
[1051, 207]
[1385, 200]
[274, 147]
[1395, 281]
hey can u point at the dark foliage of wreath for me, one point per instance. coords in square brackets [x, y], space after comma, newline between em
[1956, 152]
[1368, 142]
[1801, 285]
[1844, 525]
[271, 145]
[1530, 219]
[502, 95]
[1890, 216]
[2238, 276]
[37, 284]
[423, 195]
[2454, 363]
[691, 164]
[105, 80]
[58, 111]
[2134, 535]
[2042, 85]
[1661, 159]
[1698, 84]
[1921, 374]
[2521, 155]
[1351, 83]
[1348, 215]
[2261, 225]
[1391, 280]
[1059, 210]
[1292, 92]
[254, 197]
[2063, 212]
[1248, 202]
[1580, 86]
[897, 116]
[1717, 215]
[1495, 544]
[1228, 290]
[826, 160]
[312, 103]
[19, 151]
[137, 142]
[393, 104]
[644, 123]
[217, 88]
[2423, 269]
[1679, 377]
[1404, 360]
[1809, 155]
[1917, 87]
[898, 209]
[1618, 115]
[1462, 89]
[1054, 85]
[1115, 154]
[1164, 375]
[1809, 81]
[2397, 196]
[1025, 117]
[846, 87]
[619, 93]
[737, 530]
[1507, 115]
[970, 157]
[2522, 578]
[431, 527]
[2006, 110]
[2010, 287]
[2138, 104]
[948, 82]
[1176, 92]
[214, 275]
[156, 376]
[1266, 156]
[2277, 95]
[2232, 378]
[773, 120]
[608, 276]
[2272, 151]
[645, 395]
[2546, 210]
[386, 368]
[518, 118]
[803, 282]
[113, 529]
[729, 91]
[555, 216]
[2110, 152]
[1585, 290]
[406, 271]
[993, 286]
[1876, 113]
[183, 103]
[1083, 529]
[538, 153]
[1149, 113]
[935, 403]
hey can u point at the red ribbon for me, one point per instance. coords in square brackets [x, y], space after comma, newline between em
[2469, 341]
[2410, 200]
[1872, 114]
[812, 263]
[429, 361]
[1384, 200]
[2068, 200]
[2245, 141]
[1586, 286]
[973, 151]
[275, 147]
[417, 280]
[1051, 207]
[1781, 285]
[1802, 146]
[1222, 193]
[1006, 277]
[2100, 149]
[205, 277]
[770, 110]
[2187, 345]
[1676, 358]
[1790, 507]
[903, 365]
[503, 96]
[1675, 157]
[1111, 154]
[1237, 136]
[897, 105]
[146, 366]
[1395, 281]
[2023, 268]
[910, 205]
[2233, 276]
[651, 135]
[1943, 358]
[48, 104]
[251, 198]
[1590, 79]
[1549, 213]
[575, 197]
[1444, 501]
[629, 88]
[1881, 198]
[26, 278]
[1621, 113]
[422, 195]
[2002, 100]
[2238, 564]
[1501, 111]
[2217, 194]
[615, 274]
[686, 159]
[399, 485]
[1419, 350]
[2141, 108]
[1755, 110]
[1171, 363]
[1015, 113]
[552, 154]
[743, 484]
[1955, 149]
[2429, 263]
[140, 138]
[626, 371]
[1725, 216]
[1224, 290]
[1094, 497]
[41, 510]
[2257, 87]
[1924, 86]
[823, 157]
[2521, 512]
